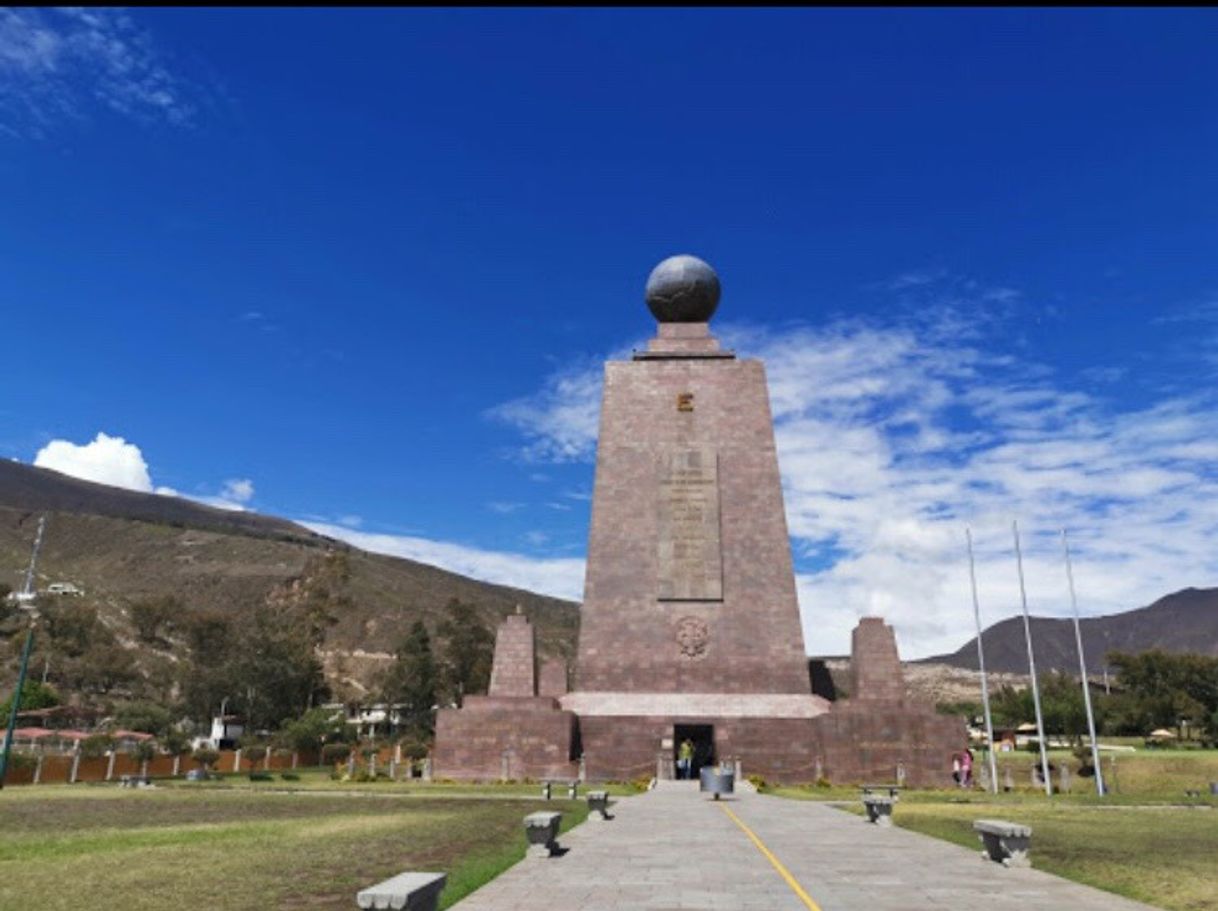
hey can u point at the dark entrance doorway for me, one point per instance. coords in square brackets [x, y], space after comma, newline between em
[702, 736]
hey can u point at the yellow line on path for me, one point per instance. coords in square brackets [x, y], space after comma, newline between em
[777, 864]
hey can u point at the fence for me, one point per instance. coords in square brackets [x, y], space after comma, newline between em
[60, 768]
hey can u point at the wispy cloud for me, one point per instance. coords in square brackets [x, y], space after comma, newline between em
[560, 577]
[63, 64]
[892, 437]
[557, 422]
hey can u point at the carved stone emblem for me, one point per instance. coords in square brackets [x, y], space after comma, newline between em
[692, 636]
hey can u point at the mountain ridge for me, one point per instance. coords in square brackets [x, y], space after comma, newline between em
[1183, 621]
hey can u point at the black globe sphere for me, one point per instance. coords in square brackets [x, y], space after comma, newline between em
[683, 289]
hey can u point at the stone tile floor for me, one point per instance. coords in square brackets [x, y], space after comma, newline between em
[675, 849]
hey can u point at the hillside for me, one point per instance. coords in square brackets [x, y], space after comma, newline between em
[1186, 621]
[121, 546]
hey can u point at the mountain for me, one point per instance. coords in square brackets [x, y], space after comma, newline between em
[1186, 621]
[121, 546]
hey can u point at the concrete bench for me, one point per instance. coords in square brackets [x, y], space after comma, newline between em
[894, 791]
[879, 809]
[541, 830]
[598, 805]
[1005, 842]
[409, 891]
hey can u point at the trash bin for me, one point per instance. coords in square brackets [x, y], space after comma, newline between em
[717, 781]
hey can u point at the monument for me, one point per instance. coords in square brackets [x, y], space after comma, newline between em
[690, 626]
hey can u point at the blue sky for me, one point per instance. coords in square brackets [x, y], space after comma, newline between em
[360, 268]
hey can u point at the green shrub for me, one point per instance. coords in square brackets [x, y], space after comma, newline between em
[289, 776]
[206, 757]
[95, 745]
[261, 776]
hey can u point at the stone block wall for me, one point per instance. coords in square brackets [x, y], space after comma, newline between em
[513, 672]
[553, 679]
[875, 666]
[536, 735]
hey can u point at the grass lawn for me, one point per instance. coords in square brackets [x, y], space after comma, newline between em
[1163, 856]
[1147, 841]
[236, 848]
[1145, 777]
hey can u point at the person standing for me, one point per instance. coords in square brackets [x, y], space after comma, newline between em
[685, 758]
[966, 768]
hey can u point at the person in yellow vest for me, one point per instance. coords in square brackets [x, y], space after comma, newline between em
[685, 758]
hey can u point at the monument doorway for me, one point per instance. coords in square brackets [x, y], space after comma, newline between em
[702, 736]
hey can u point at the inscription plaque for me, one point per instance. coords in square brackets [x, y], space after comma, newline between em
[691, 564]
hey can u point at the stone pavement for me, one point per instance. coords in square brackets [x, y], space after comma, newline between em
[674, 849]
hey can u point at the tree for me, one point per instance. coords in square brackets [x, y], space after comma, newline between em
[206, 757]
[306, 732]
[144, 751]
[1163, 689]
[410, 682]
[96, 745]
[150, 616]
[467, 653]
[175, 742]
[265, 664]
[147, 717]
[34, 696]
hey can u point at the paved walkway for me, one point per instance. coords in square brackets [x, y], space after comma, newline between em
[674, 849]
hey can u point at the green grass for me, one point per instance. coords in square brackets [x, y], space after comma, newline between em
[1146, 840]
[1145, 777]
[1163, 856]
[320, 780]
[250, 847]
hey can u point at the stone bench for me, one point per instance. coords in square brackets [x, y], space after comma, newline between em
[894, 790]
[409, 891]
[541, 830]
[598, 805]
[1005, 842]
[879, 809]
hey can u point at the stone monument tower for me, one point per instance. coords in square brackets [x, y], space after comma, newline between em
[690, 626]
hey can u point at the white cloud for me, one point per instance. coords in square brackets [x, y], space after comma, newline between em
[59, 64]
[239, 490]
[118, 463]
[106, 460]
[560, 577]
[235, 495]
[559, 422]
[893, 437]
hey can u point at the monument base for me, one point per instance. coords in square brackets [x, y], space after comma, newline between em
[505, 738]
[619, 747]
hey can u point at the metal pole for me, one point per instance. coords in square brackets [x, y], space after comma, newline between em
[1082, 667]
[1027, 631]
[985, 688]
[12, 715]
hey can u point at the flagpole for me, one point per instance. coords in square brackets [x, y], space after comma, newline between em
[1027, 631]
[1082, 666]
[985, 688]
